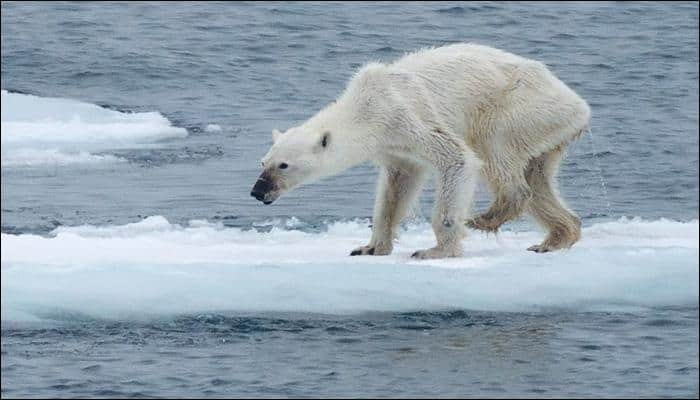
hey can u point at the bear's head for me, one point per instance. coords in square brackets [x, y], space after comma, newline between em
[300, 155]
[345, 133]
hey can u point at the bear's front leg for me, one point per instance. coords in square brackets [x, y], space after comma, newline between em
[455, 189]
[397, 187]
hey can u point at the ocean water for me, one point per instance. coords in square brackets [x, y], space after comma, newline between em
[135, 262]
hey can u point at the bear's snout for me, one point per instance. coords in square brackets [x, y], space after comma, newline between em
[262, 187]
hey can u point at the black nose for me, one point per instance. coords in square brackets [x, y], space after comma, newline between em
[258, 196]
[261, 188]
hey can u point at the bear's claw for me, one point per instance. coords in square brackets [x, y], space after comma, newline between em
[538, 248]
[436, 252]
[377, 249]
[364, 250]
[484, 224]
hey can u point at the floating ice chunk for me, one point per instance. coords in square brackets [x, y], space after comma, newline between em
[212, 128]
[153, 266]
[43, 130]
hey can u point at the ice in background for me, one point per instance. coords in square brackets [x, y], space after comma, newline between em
[37, 131]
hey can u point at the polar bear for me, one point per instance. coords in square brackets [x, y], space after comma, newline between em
[465, 111]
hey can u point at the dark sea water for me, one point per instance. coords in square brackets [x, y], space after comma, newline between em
[251, 67]
[446, 354]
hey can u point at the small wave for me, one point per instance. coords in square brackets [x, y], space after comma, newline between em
[451, 10]
[386, 49]
[161, 156]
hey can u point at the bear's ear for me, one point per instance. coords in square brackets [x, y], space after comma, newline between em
[276, 135]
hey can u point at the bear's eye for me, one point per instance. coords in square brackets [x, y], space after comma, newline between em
[284, 166]
[324, 140]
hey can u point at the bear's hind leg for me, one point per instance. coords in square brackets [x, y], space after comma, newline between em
[397, 187]
[564, 228]
[512, 194]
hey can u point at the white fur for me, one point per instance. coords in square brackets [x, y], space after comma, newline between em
[462, 110]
